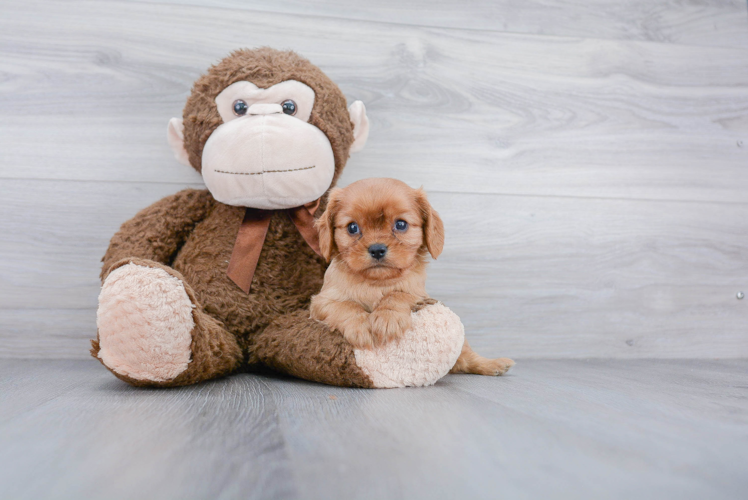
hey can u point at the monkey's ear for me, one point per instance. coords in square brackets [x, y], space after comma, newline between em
[326, 224]
[433, 227]
[360, 125]
[175, 136]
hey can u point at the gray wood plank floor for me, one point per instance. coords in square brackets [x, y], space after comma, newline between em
[588, 158]
[550, 429]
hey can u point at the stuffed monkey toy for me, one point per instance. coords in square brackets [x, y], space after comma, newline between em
[205, 283]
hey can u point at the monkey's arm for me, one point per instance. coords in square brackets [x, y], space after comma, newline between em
[158, 232]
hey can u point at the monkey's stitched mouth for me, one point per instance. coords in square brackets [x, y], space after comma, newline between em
[265, 171]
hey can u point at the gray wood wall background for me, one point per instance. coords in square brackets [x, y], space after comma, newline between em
[590, 158]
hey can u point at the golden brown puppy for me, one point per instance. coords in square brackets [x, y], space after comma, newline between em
[378, 233]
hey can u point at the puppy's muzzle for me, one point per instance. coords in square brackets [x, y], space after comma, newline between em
[378, 251]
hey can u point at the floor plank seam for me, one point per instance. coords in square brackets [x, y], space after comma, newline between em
[197, 185]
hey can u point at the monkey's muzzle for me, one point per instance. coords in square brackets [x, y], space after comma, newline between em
[267, 160]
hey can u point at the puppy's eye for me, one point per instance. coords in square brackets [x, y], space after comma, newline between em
[240, 107]
[289, 107]
[353, 229]
[401, 225]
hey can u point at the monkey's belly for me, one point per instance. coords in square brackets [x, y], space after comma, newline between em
[288, 272]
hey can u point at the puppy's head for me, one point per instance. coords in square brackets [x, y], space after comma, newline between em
[380, 228]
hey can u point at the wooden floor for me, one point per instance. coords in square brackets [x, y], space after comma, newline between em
[550, 429]
[588, 158]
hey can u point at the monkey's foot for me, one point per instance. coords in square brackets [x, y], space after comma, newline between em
[424, 353]
[145, 324]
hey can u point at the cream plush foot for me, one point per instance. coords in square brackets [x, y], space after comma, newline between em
[423, 355]
[145, 323]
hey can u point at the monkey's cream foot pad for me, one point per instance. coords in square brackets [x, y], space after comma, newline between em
[422, 356]
[145, 323]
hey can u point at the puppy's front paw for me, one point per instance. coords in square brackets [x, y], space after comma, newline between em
[358, 333]
[387, 325]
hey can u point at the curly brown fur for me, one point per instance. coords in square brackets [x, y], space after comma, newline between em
[215, 351]
[191, 235]
[266, 67]
[158, 232]
[200, 235]
[312, 352]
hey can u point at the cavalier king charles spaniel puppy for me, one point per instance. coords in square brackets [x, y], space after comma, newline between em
[378, 233]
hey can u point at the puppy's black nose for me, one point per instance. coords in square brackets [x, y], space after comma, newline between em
[378, 250]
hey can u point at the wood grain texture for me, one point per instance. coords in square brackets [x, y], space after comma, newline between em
[459, 110]
[594, 190]
[160, 443]
[559, 429]
[701, 22]
[530, 277]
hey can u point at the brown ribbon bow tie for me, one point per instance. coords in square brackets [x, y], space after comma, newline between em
[252, 234]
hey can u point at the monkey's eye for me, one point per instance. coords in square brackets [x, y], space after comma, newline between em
[240, 107]
[289, 107]
[353, 229]
[401, 225]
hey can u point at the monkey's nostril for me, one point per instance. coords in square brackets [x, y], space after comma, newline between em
[378, 251]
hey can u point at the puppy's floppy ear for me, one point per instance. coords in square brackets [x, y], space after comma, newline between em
[326, 224]
[433, 227]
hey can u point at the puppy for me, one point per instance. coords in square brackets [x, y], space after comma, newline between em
[378, 233]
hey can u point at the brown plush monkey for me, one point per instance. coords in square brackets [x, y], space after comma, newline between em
[208, 282]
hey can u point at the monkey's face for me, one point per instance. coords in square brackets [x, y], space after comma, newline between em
[263, 139]
[266, 154]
